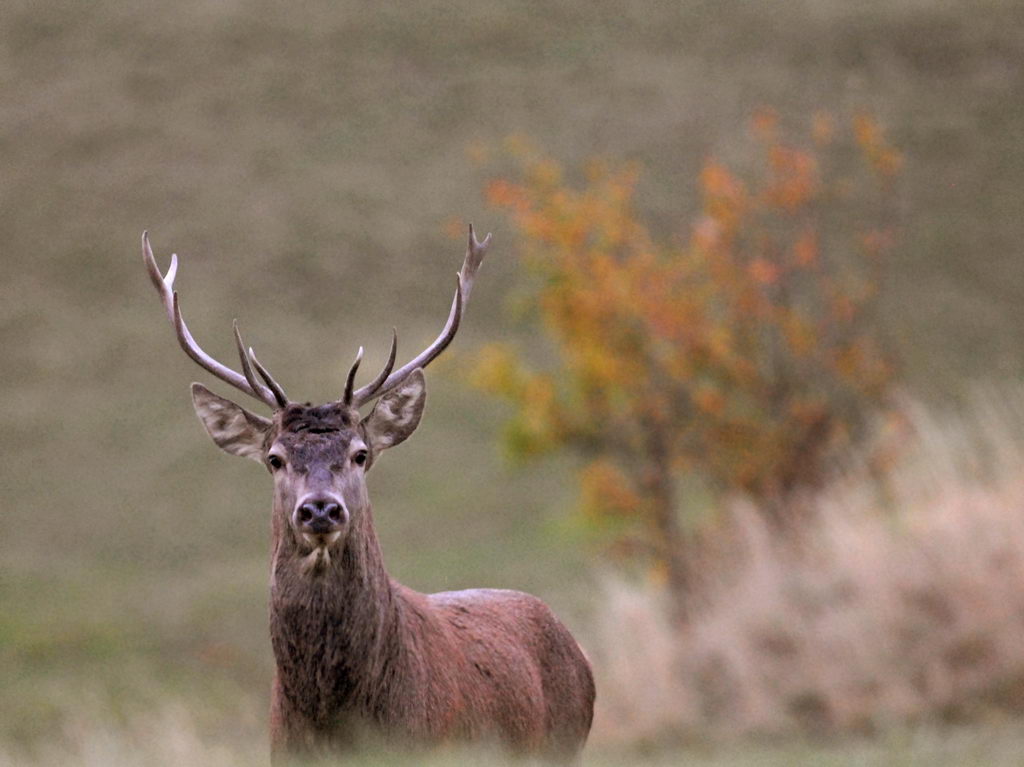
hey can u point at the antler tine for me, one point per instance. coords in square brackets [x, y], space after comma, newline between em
[223, 372]
[365, 392]
[250, 375]
[475, 252]
[347, 399]
[279, 396]
[169, 299]
[163, 285]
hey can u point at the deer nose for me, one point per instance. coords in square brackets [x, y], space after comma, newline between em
[320, 515]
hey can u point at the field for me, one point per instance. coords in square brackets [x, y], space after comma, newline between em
[307, 165]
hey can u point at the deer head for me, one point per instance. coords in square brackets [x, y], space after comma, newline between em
[317, 455]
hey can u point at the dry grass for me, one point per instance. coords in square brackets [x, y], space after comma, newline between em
[172, 735]
[905, 603]
[166, 737]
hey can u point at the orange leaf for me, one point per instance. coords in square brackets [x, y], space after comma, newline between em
[763, 271]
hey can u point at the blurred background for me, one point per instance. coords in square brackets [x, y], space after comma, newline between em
[314, 165]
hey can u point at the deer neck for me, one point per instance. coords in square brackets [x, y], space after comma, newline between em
[336, 632]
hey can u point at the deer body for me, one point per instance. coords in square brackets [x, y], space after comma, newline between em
[484, 666]
[357, 653]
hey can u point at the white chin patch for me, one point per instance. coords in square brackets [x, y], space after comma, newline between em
[319, 557]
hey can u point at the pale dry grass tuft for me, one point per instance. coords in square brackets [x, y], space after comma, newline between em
[903, 602]
[170, 735]
[173, 734]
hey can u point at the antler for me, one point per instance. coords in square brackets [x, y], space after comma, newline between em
[270, 394]
[386, 380]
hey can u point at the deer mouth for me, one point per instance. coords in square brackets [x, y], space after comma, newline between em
[317, 541]
[318, 558]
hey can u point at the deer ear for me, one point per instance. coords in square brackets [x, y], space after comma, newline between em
[233, 428]
[397, 414]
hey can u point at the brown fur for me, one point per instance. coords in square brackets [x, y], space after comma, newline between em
[359, 654]
[356, 650]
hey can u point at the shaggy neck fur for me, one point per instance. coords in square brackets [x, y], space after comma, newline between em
[336, 633]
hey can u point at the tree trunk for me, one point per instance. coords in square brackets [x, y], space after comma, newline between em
[670, 543]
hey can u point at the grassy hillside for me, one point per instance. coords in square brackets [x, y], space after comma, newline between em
[304, 161]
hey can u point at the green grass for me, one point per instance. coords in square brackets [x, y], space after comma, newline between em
[303, 160]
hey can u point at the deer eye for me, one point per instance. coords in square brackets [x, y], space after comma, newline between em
[359, 458]
[275, 461]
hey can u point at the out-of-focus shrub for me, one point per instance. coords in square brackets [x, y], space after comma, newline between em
[901, 606]
[741, 354]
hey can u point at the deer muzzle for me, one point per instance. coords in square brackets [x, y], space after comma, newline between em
[320, 519]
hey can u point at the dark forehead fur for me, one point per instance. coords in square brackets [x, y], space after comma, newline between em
[319, 419]
[311, 431]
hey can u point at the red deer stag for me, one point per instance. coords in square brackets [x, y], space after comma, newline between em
[355, 650]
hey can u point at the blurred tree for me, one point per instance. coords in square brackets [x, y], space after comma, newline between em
[741, 354]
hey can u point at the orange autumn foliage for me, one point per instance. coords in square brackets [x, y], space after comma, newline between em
[744, 344]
